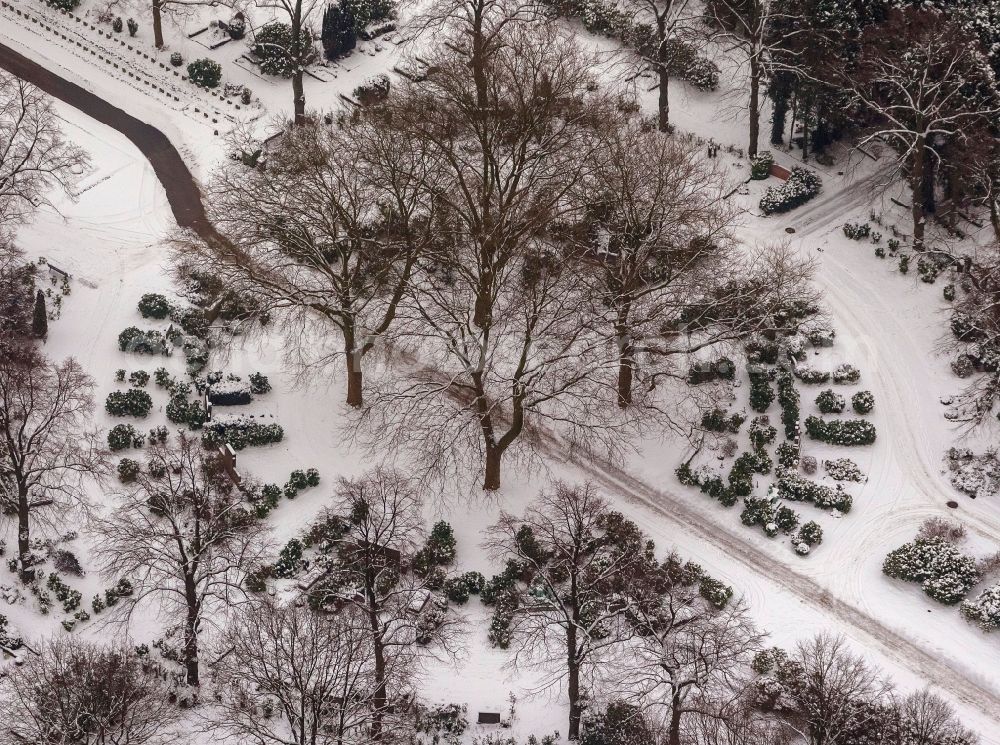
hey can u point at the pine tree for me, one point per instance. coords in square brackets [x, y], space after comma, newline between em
[338, 34]
[40, 320]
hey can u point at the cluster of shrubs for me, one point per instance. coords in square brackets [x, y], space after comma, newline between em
[112, 595]
[9, 637]
[134, 339]
[843, 469]
[290, 560]
[205, 73]
[863, 402]
[797, 488]
[299, 480]
[132, 402]
[849, 432]
[458, 589]
[437, 552]
[708, 482]
[761, 392]
[66, 595]
[846, 374]
[154, 305]
[761, 433]
[182, 410]
[788, 398]
[760, 165]
[772, 517]
[857, 231]
[943, 571]
[801, 186]
[241, 432]
[830, 402]
[787, 455]
[272, 43]
[373, 90]
[809, 535]
[708, 371]
[124, 436]
[984, 611]
[717, 421]
[811, 376]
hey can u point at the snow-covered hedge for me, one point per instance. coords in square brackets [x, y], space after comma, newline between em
[975, 475]
[943, 571]
[830, 402]
[136, 340]
[760, 165]
[984, 611]
[801, 186]
[843, 469]
[811, 376]
[841, 431]
[846, 374]
[132, 402]
[797, 488]
[863, 402]
[241, 431]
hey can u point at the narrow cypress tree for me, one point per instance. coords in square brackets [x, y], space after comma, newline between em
[40, 320]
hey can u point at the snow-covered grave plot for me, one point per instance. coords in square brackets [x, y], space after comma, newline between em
[807, 477]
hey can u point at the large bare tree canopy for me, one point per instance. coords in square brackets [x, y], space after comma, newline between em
[35, 158]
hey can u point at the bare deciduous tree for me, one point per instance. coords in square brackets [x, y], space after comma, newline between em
[47, 448]
[927, 82]
[75, 691]
[689, 657]
[299, 52]
[496, 318]
[370, 576]
[181, 535]
[330, 230]
[35, 157]
[288, 669]
[579, 558]
[666, 277]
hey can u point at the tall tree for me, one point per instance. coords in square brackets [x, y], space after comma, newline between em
[496, 318]
[184, 538]
[330, 231]
[80, 692]
[288, 675]
[380, 528]
[579, 559]
[926, 83]
[35, 157]
[47, 449]
[40, 317]
[689, 655]
[293, 47]
[658, 255]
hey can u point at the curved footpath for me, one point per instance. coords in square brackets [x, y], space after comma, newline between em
[182, 191]
[186, 204]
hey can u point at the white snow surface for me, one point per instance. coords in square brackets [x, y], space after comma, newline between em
[111, 242]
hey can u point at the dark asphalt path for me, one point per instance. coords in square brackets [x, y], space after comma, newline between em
[182, 190]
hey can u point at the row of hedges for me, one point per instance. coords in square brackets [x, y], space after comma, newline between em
[848, 432]
[788, 398]
[796, 488]
[241, 432]
[801, 186]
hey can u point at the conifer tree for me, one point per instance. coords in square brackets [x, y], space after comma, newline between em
[40, 320]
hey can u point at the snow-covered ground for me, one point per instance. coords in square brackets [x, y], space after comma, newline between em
[112, 241]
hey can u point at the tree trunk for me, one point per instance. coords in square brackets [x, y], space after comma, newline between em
[663, 102]
[916, 192]
[755, 76]
[298, 54]
[23, 535]
[626, 360]
[674, 731]
[157, 24]
[355, 396]
[491, 480]
[379, 696]
[191, 632]
[573, 685]
[300, 98]
[478, 61]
